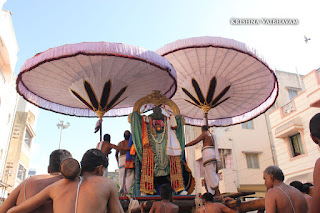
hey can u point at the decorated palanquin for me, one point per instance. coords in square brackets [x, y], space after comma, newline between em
[158, 146]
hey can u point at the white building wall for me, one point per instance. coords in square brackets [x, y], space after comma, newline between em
[299, 167]
[242, 141]
[8, 95]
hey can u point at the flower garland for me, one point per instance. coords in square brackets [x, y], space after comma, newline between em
[163, 134]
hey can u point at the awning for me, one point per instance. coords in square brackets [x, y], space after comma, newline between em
[290, 128]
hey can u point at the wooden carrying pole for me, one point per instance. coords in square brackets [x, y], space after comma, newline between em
[186, 205]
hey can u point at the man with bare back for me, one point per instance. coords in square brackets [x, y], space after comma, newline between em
[126, 175]
[210, 156]
[280, 197]
[165, 205]
[298, 185]
[209, 206]
[91, 192]
[105, 146]
[35, 184]
[314, 127]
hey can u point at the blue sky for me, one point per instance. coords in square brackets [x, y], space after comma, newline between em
[40, 25]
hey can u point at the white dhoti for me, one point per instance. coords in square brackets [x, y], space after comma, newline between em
[210, 168]
[126, 176]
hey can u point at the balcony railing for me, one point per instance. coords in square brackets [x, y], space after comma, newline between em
[288, 108]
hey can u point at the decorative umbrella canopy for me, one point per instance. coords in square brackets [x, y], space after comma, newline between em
[222, 78]
[89, 79]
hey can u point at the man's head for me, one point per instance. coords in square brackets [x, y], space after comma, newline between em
[271, 175]
[56, 158]
[107, 138]
[207, 197]
[307, 188]
[94, 161]
[314, 126]
[298, 185]
[205, 128]
[166, 192]
[70, 168]
[127, 135]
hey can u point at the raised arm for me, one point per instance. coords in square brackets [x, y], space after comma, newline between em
[119, 147]
[32, 203]
[315, 204]
[113, 202]
[197, 140]
[12, 199]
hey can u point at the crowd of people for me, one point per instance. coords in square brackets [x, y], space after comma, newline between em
[67, 190]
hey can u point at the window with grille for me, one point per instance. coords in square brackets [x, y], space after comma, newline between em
[21, 172]
[252, 161]
[27, 138]
[226, 158]
[247, 125]
[292, 93]
[296, 145]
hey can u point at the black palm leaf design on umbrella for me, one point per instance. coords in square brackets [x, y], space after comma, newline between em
[209, 102]
[103, 105]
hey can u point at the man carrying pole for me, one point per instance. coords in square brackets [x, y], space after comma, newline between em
[210, 156]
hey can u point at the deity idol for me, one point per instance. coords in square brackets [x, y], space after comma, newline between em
[158, 141]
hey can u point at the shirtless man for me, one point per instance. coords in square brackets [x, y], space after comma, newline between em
[165, 205]
[105, 146]
[298, 185]
[35, 184]
[124, 145]
[126, 175]
[88, 193]
[314, 127]
[280, 197]
[210, 156]
[209, 206]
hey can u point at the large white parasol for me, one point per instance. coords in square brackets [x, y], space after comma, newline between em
[221, 78]
[94, 79]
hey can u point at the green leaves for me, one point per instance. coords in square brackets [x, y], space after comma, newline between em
[208, 101]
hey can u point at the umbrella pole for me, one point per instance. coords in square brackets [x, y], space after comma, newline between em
[100, 114]
[101, 130]
[206, 118]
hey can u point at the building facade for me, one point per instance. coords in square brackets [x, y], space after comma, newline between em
[295, 151]
[8, 94]
[22, 136]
